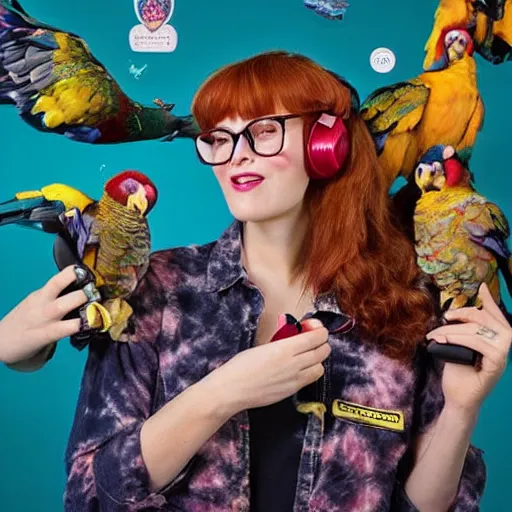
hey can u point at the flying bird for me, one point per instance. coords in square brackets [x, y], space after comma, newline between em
[58, 86]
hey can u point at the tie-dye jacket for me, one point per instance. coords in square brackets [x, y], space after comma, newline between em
[196, 309]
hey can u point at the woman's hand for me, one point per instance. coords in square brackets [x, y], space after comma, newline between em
[36, 322]
[485, 330]
[271, 372]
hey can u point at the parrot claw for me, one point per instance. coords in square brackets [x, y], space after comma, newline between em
[98, 317]
[165, 106]
[120, 312]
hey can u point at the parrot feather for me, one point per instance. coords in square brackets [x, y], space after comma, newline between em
[59, 86]
[41, 209]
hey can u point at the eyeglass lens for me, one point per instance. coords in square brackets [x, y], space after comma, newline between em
[217, 146]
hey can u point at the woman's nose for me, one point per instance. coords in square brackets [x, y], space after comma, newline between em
[242, 151]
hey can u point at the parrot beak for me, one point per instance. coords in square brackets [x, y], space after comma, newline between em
[138, 201]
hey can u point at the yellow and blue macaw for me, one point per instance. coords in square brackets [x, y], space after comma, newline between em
[440, 106]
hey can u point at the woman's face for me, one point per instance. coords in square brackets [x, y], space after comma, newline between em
[259, 188]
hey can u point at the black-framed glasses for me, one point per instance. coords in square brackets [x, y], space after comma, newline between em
[265, 136]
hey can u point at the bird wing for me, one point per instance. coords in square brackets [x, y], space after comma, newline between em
[52, 76]
[395, 109]
[34, 208]
[82, 226]
[33, 211]
[489, 228]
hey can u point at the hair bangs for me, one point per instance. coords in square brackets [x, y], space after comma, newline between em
[266, 84]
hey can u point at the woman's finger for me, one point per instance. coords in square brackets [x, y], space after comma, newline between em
[493, 352]
[467, 329]
[67, 303]
[59, 282]
[477, 316]
[55, 331]
[489, 305]
[66, 328]
[313, 357]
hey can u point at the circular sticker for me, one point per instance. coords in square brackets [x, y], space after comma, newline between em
[382, 60]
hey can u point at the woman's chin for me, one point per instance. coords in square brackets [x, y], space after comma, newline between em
[259, 215]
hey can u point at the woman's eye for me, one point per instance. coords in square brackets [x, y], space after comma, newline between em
[219, 141]
[264, 130]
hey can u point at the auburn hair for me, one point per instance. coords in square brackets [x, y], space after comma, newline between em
[352, 247]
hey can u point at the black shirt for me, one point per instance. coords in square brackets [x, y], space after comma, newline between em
[276, 435]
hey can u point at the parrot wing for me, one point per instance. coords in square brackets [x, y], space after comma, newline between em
[491, 230]
[495, 43]
[53, 78]
[394, 109]
[41, 209]
[36, 212]
[80, 227]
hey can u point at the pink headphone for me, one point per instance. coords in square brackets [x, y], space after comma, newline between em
[327, 147]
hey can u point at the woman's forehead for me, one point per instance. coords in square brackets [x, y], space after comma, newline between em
[236, 121]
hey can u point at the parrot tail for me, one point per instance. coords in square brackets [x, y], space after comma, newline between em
[35, 213]
[186, 128]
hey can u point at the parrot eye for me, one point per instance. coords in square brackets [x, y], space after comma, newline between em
[420, 169]
[130, 186]
[453, 36]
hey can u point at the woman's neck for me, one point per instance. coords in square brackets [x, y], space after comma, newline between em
[272, 248]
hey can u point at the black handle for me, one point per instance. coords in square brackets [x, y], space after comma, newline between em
[452, 353]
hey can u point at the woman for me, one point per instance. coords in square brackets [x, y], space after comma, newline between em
[200, 413]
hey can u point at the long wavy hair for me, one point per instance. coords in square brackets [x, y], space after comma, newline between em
[352, 247]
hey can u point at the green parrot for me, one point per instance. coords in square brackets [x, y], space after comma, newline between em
[59, 87]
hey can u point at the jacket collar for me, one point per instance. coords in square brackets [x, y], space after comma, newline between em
[225, 269]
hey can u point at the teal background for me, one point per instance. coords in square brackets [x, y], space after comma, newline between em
[37, 409]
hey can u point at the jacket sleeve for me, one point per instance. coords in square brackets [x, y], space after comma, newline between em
[429, 402]
[119, 391]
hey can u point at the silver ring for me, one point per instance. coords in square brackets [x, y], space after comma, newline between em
[92, 293]
[486, 332]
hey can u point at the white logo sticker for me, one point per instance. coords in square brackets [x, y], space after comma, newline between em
[154, 34]
[382, 60]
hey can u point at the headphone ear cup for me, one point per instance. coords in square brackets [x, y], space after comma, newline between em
[328, 147]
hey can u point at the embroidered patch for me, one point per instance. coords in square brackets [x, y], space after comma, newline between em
[379, 418]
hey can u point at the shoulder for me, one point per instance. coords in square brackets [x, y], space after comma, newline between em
[175, 267]
[171, 273]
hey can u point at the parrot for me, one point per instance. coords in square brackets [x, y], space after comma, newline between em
[488, 21]
[440, 106]
[460, 237]
[59, 87]
[111, 237]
